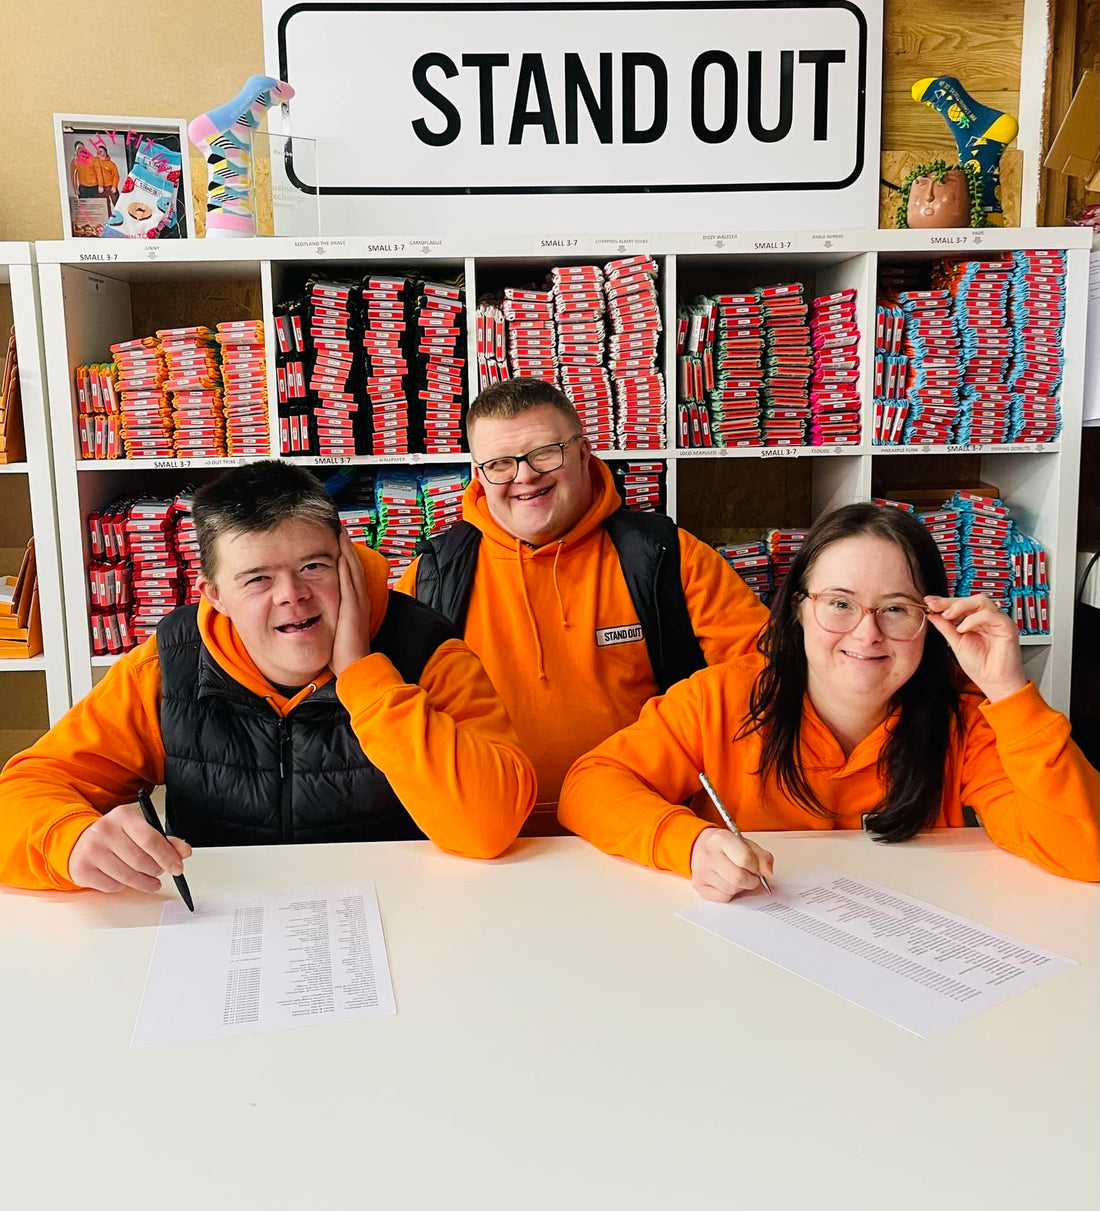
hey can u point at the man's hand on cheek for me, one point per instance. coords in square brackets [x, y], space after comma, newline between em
[351, 641]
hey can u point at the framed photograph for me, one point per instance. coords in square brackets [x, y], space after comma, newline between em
[124, 178]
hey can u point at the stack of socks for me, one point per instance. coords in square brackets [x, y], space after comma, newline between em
[985, 531]
[734, 399]
[98, 413]
[785, 400]
[532, 351]
[187, 545]
[387, 306]
[244, 375]
[943, 525]
[491, 335]
[1029, 596]
[641, 485]
[147, 429]
[751, 561]
[194, 384]
[441, 356]
[979, 294]
[782, 546]
[360, 522]
[110, 576]
[891, 374]
[578, 298]
[834, 388]
[1038, 313]
[630, 284]
[695, 353]
[933, 347]
[291, 351]
[333, 332]
[399, 519]
[157, 576]
[441, 492]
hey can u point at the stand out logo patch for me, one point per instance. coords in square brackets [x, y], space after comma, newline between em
[590, 97]
[610, 636]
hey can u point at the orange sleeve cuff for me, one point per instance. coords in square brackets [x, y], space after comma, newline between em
[1017, 718]
[367, 679]
[674, 840]
[58, 846]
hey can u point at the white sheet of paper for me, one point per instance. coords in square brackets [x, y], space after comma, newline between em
[907, 961]
[265, 961]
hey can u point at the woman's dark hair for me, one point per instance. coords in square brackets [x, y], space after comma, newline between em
[913, 759]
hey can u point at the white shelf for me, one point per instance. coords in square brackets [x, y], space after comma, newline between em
[87, 306]
[17, 273]
[28, 664]
[123, 256]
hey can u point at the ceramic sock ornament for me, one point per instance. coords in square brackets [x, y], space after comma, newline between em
[981, 134]
[223, 135]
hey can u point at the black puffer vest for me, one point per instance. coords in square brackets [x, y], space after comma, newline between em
[238, 774]
[648, 546]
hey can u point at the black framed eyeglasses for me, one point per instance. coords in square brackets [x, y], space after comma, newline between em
[541, 459]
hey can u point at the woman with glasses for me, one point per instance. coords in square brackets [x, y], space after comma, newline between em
[857, 713]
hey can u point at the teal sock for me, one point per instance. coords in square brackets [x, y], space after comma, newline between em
[981, 133]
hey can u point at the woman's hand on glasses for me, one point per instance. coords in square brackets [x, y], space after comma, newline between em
[986, 642]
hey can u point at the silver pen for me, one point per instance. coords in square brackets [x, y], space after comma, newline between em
[728, 819]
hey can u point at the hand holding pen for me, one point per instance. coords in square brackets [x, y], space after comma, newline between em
[724, 862]
[121, 850]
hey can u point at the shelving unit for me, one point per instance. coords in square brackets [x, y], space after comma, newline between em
[92, 298]
[34, 691]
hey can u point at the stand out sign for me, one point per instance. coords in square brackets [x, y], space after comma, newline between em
[671, 115]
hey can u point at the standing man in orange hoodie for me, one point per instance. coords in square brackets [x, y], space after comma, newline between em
[299, 701]
[580, 610]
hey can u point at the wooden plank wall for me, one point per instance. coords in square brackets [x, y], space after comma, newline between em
[979, 42]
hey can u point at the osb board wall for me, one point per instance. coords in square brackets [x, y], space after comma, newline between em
[156, 305]
[170, 58]
[978, 42]
[181, 59]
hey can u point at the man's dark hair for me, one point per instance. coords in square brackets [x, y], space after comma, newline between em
[515, 396]
[914, 757]
[254, 499]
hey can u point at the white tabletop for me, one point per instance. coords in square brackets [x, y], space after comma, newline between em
[562, 1040]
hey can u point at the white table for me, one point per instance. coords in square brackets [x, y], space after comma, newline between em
[562, 1041]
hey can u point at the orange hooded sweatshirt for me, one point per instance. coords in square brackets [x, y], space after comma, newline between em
[445, 745]
[543, 621]
[1012, 762]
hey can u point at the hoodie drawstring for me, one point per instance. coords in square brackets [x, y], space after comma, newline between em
[557, 588]
[541, 664]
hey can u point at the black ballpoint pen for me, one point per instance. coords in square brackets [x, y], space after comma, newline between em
[153, 820]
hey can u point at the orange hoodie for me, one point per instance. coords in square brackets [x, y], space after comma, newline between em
[446, 746]
[536, 613]
[1013, 763]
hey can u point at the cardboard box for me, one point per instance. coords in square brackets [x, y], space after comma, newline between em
[1076, 147]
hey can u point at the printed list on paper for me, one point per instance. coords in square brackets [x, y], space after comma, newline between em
[265, 961]
[905, 960]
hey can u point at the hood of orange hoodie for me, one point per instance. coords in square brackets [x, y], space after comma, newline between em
[605, 500]
[224, 643]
